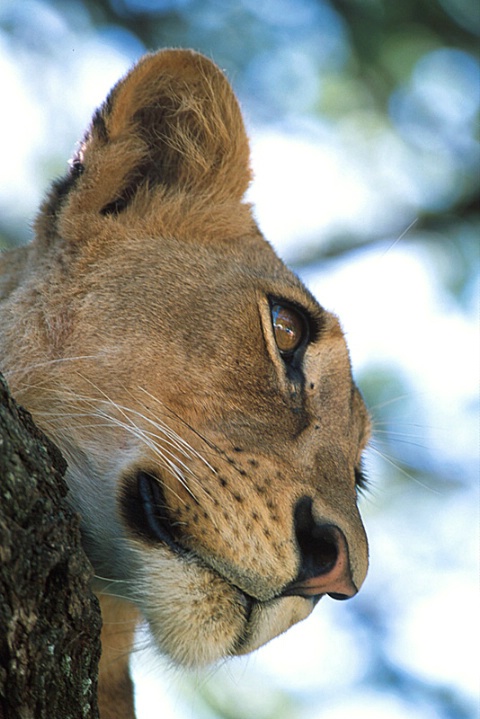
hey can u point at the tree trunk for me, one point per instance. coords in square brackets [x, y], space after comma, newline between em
[49, 618]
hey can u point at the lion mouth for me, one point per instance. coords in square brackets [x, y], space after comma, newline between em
[266, 620]
[219, 617]
[147, 514]
[280, 612]
[145, 510]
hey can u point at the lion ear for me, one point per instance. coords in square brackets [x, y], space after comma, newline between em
[171, 125]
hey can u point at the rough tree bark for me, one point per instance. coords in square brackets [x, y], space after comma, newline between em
[49, 618]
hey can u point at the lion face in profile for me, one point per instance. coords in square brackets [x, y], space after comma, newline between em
[202, 397]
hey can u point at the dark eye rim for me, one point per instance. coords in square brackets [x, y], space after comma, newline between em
[308, 329]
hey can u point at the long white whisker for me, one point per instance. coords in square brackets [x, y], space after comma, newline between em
[170, 465]
[392, 400]
[389, 422]
[161, 439]
[155, 399]
[48, 363]
[409, 476]
[180, 439]
[109, 421]
[176, 441]
[394, 434]
[137, 432]
[399, 238]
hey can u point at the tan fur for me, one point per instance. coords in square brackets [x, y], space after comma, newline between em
[137, 329]
[115, 691]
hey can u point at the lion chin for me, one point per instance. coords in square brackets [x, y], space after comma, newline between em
[198, 618]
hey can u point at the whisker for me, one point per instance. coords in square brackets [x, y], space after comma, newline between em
[176, 441]
[392, 400]
[135, 431]
[138, 432]
[388, 422]
[48, 363]
[393, 433]
[211, 445]
[183, 441]
[169, 464]
[397, 438]
[399, 238]
[88, 412]
[110, 422]
[182, 420]
[400, 469]
[111, 580]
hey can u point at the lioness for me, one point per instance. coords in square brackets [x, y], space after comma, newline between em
[202, 398]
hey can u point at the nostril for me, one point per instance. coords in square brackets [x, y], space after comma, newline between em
[317, 543]
[319, 551]
[324, 566]
[323, 546]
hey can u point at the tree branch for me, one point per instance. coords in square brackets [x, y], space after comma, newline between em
[49, 618]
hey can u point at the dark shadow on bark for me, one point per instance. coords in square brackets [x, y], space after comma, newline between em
[49, 619]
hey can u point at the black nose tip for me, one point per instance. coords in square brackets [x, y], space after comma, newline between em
[324, 564]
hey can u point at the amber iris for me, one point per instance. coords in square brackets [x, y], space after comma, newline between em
[288, 328]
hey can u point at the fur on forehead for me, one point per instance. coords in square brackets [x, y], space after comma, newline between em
[167, 149]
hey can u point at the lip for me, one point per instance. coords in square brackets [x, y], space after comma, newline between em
[255, 610]
[314, 589]
[267, 620]
[151, 513]
[247, 603]
[145, 511]
[306, 589]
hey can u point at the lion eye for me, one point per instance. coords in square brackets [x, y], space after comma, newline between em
[289, 328]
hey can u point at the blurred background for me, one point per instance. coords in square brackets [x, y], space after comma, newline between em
[363, 117]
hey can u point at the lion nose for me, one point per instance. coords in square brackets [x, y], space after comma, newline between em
[325, 566]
